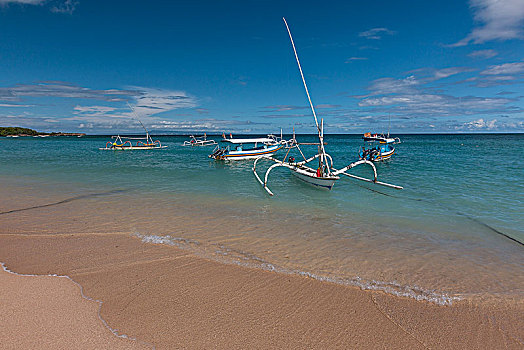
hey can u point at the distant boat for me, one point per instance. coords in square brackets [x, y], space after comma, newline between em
[380, 138]
[383, 151]
[124, 143]
[199, 141]
[247, 148]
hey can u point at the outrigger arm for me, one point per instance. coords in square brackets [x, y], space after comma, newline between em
[335, 172]
[375, 181]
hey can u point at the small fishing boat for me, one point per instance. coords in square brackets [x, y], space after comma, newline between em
[383, 151]
[325, 175]
[124, 143]
[199, 141]
[368, 137]
[247, 148]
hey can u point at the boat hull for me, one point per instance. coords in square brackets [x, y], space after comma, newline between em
[322, 182]
[384, 152]
[250, 154]
[384, 156]
[133, 148]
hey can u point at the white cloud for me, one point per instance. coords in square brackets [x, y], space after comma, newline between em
[415, 95]
[57, 6]
[62, 89]
[22, 2]
[391, 85]
[153, 101]
[480, 124]
[376, 33]
[483, 54]
[351, 59]
[447, 72]
[68, 6]
[12, 105]
[505, 69]
[498, 20]
[147, 104]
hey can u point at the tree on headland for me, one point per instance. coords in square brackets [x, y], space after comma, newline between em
[13, 130]
[17, 131]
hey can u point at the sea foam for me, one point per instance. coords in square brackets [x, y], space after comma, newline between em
[237, 257]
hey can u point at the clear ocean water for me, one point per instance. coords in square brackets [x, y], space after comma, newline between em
[445, 236]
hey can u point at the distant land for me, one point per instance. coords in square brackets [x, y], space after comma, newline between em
[11, 131]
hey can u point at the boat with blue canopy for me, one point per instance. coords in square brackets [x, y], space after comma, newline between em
[377, 152]
[247, 148]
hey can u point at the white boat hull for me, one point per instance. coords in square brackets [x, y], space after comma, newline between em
[312, 179]
[250, 154]
[133, 148]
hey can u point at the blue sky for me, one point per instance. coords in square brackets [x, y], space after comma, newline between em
[190, 66]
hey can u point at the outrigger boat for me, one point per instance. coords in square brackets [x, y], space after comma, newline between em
[124, 143]
[378, 153]
[368, 137]
[325, 175]
[247, 148]
[199, 141]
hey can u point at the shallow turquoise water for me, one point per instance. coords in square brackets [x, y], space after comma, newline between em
[460, 193]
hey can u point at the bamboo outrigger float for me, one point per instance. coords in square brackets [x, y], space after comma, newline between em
[325, 175]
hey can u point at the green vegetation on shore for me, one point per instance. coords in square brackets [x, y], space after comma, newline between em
[18, 131]
[13, 130]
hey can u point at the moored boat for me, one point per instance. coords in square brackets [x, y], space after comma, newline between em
[325, 175]
[246, 148]
[123, 143]
[383, 151]
[199, 141]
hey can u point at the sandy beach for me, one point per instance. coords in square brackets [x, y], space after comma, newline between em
[49, 312]
[168, 297]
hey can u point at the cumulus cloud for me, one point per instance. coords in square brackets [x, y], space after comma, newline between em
[376, 33]
[415, 95]
[480, 124]
[497, 20]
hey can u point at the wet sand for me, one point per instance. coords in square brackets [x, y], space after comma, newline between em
[174, 299]
[45, 312]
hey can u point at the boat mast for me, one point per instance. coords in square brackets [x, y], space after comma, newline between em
[136, 117]
[320, 133]
[389, 123]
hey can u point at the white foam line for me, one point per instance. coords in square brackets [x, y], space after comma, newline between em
[104, 322]
[250, 260]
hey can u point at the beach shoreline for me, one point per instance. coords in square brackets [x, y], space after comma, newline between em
[171, 298]
[51, 312]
